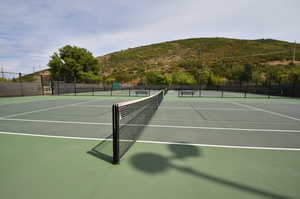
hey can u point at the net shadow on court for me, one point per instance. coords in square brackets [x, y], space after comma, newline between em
[103, 150]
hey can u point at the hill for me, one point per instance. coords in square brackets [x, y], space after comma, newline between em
[199, 60]
[132, 64]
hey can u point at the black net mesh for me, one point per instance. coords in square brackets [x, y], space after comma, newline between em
[129, 120]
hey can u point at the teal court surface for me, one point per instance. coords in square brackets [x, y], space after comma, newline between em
[192, 148]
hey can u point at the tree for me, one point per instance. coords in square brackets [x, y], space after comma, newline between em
[108, 79]
[3, 79]
[277, 73]
[74, 62]
[294, 74]
[257, 77]
[157, 78]
[214, 80]
[201, 73]
[240, 73]
[122, 76]
[182, 78]
[247, 73]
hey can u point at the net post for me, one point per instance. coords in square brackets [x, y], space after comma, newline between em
[115, 119]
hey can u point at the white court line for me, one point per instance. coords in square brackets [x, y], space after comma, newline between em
[49, 136]
[266, 111]
[222, 121]
[47, 109]
[156, 142]
[278, 102]
[260, 100]
[39, 100]
[222, 129]
[206, 108]
[221, 146]
[157, 126]
[55, 121]
[95, 106]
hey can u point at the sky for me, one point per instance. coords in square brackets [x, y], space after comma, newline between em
[32, 30]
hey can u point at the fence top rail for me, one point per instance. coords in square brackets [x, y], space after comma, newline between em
[10, 72]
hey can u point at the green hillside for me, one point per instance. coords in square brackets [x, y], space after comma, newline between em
[209, 61]
[187, 55]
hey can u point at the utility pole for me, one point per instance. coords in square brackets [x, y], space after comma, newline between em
[294, 53]
[201, 62]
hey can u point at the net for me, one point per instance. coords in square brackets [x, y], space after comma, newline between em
[166, 91]
[129, 120]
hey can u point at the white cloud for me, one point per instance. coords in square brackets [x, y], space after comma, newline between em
[31, 31]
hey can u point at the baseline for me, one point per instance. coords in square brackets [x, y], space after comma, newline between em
[156, 142]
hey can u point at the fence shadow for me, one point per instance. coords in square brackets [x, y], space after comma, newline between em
[152, 164]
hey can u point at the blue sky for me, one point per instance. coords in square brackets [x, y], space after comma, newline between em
[31, 31]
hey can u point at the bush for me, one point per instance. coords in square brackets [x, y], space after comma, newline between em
[157, 78]
[182, 78]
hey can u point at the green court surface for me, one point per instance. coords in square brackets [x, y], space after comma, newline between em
[191, 148]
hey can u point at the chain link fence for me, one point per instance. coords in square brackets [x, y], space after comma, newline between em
[18, 84]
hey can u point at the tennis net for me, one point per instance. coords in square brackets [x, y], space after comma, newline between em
[129, 120]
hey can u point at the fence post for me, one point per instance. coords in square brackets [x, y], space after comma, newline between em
[75, 90]
[58, 87]
[222, 91]
[2, 71]
[21, 84]
[42, 84]
[245, 91]
[293, 91]
[52, 89]
[269, 90]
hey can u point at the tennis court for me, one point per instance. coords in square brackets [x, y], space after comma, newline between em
[191, 148]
